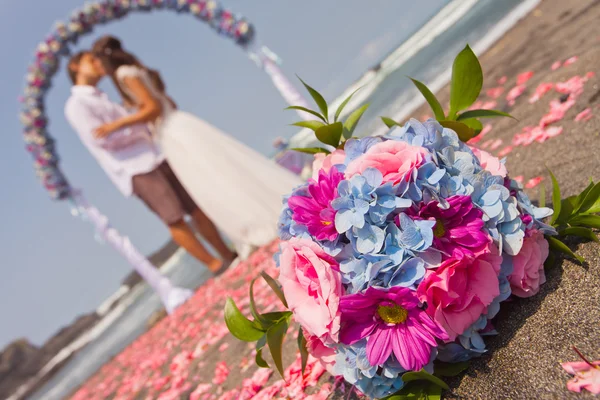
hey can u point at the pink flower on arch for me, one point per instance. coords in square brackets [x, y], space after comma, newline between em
[528, 266]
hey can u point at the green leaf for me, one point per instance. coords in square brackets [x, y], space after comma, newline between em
[592, 221]
[311, 150]
[306, 110]
[474, 124]
[464, 132]
[275, 286]
[482, 114]
[352, 121]
[591, 202]
[260, 361]
[390, 123]
[542, 199]
[417, 391]
[556, 203]
[330, 134]
[277, 315]
[467, 80]
[578, 231]
[344, 103]
[275, 336]
[255, 313]
[566, 210]
[563, 248]
[240, 326]
[321, 103]
[550, 261]
[442, 369]
[423, 375]
[581, 196]
[433, 102]
[303, 349]
[312, 125]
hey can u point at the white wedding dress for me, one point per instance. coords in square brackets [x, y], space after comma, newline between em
[239, 189]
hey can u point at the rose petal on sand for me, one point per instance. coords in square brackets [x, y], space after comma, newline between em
[494, 93]
[556, 65]
[541, 90]
[585, 115]
[533, 182]
[570, 61]
[497, 143]
[488, 105]
[514, 93]
[519, 178]
[557, 111]
[505, 151]
[502, 80]
[573, 86]
[524, 77]
[590, 75]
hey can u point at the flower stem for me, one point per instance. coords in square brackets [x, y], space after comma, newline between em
[585, 359]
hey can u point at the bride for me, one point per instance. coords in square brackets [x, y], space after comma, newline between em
[239, 189]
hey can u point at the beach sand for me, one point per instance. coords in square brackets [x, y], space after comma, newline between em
[191, 355]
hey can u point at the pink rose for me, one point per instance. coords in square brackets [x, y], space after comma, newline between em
[528, 265]
[489, 162]
[325, 162]
[461, 289]
[395, 160]
[312, 285]
[324, 354]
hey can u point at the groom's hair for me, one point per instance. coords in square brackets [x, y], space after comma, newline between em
[74, 61]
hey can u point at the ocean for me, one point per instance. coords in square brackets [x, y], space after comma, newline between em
[426, 56]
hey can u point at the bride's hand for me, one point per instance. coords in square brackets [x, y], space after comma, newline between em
[104, 130]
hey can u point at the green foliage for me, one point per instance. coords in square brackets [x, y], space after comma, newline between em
[390, 123]
[311, 150]
[465, 86]
[303, 349]
[574, 216]
[240, 326]
[420, 385]
[443, 369]
[333, 134]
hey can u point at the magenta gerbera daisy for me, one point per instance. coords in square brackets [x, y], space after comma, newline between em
[315, 211]
[393, 322]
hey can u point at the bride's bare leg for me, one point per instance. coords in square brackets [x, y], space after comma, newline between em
[208, 230]
[184, 236]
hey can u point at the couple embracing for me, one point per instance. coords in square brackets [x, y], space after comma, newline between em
[176, 163]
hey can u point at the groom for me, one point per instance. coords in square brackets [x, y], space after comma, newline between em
[134, 163]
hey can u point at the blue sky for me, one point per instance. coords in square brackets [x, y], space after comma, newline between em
[52, 268]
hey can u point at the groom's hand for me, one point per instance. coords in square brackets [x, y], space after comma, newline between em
[105, 130]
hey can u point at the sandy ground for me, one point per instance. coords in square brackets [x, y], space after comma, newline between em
[190, 355]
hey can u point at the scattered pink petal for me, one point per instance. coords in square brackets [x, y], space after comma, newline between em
[476, 105]
[502, 80]
[221, 373]
[585, 376]
[494, 93]
[519, 178]
[585, 115]
[524, 77]
[556, 65]
[570, 61]
[487, 143]
[497, 143]
[488, 105]
[514, 93]
[223, 347]
[541, 90]
[573, 86]
[590, 75]
[533, 182]
[201, 389]
[505, 151]
[557, 111]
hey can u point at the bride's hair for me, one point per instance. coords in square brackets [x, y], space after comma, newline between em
[112, 55]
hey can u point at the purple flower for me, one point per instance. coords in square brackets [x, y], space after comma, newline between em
[392, 322]
[314, 210]
[460, 225]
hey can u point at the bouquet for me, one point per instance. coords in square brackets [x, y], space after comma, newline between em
[397, 254]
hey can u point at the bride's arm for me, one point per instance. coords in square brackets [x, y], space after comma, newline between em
[148, 110]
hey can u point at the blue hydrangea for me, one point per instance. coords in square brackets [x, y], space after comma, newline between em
[471, 339]
[415, 236]
[454, 353]
[505, 270]
[351, 362]
[287, 228]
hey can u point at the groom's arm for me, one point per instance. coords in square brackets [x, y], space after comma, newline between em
[84, 121]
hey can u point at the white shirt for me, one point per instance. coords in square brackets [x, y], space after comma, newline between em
[123, 154]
